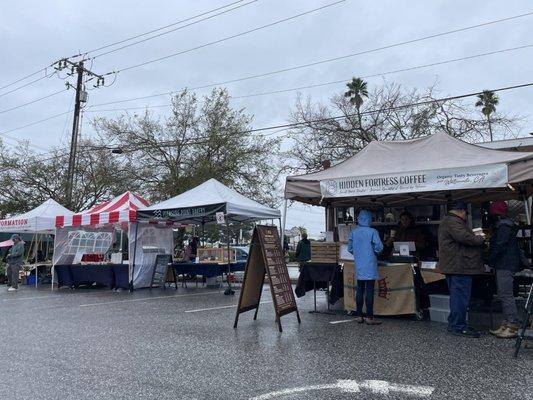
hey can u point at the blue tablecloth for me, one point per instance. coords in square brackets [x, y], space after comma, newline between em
[208, 270]
[110, 275]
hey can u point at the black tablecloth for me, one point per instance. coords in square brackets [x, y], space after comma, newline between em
[315, 275]
[110, 275]
[208, 270]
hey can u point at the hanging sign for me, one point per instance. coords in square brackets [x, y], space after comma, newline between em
[220, 218]
[266, 256]
[478, 177]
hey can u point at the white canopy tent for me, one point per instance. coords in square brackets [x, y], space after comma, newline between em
[431, 170]
[39, 220]
[200, 205]
[435, 169]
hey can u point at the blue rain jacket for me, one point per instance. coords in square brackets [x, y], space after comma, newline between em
[365, 244]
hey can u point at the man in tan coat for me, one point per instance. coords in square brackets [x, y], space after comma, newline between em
[460, 257]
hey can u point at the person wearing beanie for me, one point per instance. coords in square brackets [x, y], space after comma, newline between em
[504, 257]
[460, 257]
[14, 262]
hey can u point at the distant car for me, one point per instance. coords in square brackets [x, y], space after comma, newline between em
[241, 252]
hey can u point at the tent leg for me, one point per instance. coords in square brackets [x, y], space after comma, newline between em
[53, 276]
[283, 222]
[528, 211]
[132, 265]
[229, 290]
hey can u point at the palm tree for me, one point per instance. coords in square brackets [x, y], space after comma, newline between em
[488, 102]
[357, 89]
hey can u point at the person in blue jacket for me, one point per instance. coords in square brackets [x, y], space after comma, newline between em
[364, 244]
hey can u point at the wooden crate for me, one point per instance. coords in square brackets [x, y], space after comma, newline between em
[327, 252]
[215, 254]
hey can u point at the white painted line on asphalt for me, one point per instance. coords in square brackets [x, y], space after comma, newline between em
[26, 298]
[146, 299]
[352, 386]
[342, 321]
[220, 308]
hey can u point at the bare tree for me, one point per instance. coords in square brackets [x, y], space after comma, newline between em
[343, 127]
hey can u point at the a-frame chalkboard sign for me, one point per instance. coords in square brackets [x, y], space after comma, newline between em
[159, 276]
[266, 256]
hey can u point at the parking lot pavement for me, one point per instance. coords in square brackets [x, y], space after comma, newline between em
[96, 344]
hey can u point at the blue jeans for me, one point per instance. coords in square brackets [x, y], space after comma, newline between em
[460, 287]
[365, 295]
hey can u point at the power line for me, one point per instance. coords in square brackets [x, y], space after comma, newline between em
[157, 29]
[178, 28]
[35, 123]
[324, 61]
[283, 127]
[437, 63]
[228, 37]
[27, 84]
[33, 101]
[111, 45]
[24, 78]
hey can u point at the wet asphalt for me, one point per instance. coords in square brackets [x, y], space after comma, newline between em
[180, 344]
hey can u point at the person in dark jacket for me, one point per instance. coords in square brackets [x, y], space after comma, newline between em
[303, 250]
[14, 262]
[407, 231]
[505, 259]
[460, 257]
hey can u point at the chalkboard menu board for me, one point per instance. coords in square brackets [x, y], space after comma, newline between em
[266, 256]
[160, 270]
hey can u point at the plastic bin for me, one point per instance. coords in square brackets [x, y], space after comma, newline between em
[439, 315]
[30, 280]
[440, 301]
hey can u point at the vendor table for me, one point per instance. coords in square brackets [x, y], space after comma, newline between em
[208, 270]
[313, 276]
[109, 275]
[395, 292]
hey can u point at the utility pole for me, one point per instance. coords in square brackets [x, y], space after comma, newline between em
[76, 68]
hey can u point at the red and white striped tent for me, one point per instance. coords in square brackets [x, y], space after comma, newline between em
[122, 208]
[91, 231]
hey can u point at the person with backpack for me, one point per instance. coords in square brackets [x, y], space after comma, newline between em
[364, 244]
[505, 258]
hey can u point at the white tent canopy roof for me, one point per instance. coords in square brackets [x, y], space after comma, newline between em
[39, 220]
[436, 163]
[201, 203]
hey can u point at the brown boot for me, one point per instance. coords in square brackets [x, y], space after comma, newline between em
[500, 330]
[509, 332]
[372, 321]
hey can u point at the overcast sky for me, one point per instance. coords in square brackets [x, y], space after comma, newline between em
[36, 33]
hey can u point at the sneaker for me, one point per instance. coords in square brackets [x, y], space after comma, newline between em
[468, 332]
[12, 289]
[360, 320]
[509, 332]
[372, 321]
[500, 330]
[351, 314]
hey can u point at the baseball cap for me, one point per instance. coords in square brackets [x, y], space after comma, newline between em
[459, 205]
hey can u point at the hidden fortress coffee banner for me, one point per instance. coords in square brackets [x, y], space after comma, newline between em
[479, 177]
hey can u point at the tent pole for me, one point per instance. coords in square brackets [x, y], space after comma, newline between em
[229, 290]
[132, 265]
[36, 267]
[283, 222]
[528, 211]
